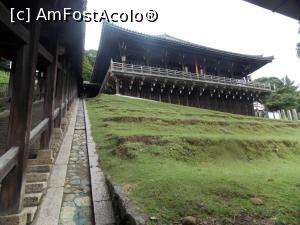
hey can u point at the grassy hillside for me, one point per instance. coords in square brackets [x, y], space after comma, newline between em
[175, 161]
[4, 78]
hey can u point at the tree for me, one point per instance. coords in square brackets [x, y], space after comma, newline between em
[285, 96]
[273, 81]
[88, 64]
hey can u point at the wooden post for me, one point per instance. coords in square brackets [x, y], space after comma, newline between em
[68, 89]
[65, 78]
[117, 86]
[50, 97]
[59, 95]
[12, 188]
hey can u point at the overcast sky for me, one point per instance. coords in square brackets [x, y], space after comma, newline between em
[231, 25]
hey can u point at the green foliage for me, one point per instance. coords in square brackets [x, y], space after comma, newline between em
[175, 161]
[4, 77]
[88, 64]
[91, 56]
[274, 81]
[286, 94]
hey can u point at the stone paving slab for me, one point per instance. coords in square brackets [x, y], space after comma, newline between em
[50, 208]
[59, 172]
[77, 206]
[103, 210]
[103, 213]
[51, 203]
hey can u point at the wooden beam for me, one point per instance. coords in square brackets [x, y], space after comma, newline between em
[8, 161]
[45, 53]
[21, 32]
[38, 130]
[12, 189]
[17, 28]
[55, 113]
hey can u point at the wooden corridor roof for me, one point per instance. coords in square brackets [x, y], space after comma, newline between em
[290, 8]
[45, 55]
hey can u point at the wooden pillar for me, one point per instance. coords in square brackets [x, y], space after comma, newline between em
[50, 97]
[197, 96]
[12, 72]
[117, 86]
[12, 187]
[68, 89]
[59, 92]
[64, 78]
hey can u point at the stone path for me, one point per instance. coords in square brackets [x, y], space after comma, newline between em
[77, 206]
[73, 196]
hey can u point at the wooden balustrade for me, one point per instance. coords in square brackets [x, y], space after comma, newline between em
[8, 161]
[38, 130]
[162, 72]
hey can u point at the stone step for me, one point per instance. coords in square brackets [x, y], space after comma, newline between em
[30, 211]
[44, 154]
[40, 161]
[37, 177]
[35, 187]
[32, 199]
[39, 169]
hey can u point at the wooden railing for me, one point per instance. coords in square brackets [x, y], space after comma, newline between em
[38, 130]
[165, 73]
[8, 161]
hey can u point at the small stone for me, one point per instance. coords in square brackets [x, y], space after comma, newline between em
[153, 218]
[69, 197]
[189, 220]
[74, 182]
[85, 213]
[67, 212]
[256, 201]
[83, 201]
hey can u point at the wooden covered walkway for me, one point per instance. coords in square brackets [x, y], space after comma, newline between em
[45, 79]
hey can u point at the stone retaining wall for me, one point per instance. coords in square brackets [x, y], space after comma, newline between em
[124, 209]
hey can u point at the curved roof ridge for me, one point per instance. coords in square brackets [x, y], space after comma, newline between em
[173, 39]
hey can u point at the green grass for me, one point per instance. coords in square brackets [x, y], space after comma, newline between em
[175, 161]
[4, 77]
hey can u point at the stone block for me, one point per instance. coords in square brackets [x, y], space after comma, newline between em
[103, 213]
[289, 115]
[38, 168]
[58, 175]
[100, 192]
[30, 211]
[57, 133]
[97, 177]
[37, 177]
[15, 219]
[295, 114]
[45, 154]
[35, 187]
[283, 115]
[39, 161]
[32, 199]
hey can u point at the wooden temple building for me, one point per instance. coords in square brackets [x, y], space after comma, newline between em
[168, 69]
[45, 78]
